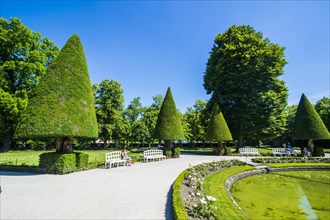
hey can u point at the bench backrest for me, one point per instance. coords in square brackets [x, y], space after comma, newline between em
[248, 149]
[153, 153]
[279, 150]
[114, 155]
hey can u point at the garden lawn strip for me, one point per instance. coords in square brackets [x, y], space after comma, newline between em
[215, 185]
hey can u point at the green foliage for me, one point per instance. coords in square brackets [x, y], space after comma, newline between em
[62, 104]
[308, 124]
[24, 58]
[193, 117]
[318, 152]
[178, 208]
[291, 113]
[57, 163]
[177, 152]
[242, 77]
[226, 208]
[109, 109]
[139, 131]
[168, 126]
[82, 160]
[307, 160]
[323, 109]
[217, 129]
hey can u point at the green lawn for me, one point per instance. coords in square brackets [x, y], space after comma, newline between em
[31, 158]
[214, 185]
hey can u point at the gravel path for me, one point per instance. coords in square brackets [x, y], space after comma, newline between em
[142, 191]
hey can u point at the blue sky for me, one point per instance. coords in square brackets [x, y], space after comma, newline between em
[150, 45]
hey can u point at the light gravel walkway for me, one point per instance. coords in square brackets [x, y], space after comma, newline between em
[142, 191]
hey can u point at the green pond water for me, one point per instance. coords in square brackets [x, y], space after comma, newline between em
[285, 195]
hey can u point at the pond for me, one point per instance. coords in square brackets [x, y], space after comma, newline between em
[285, 195]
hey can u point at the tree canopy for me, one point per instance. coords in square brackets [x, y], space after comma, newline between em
[24, 58]
[242, 77]
[109, 110]
[323, 109]
[217, 129]
[63, 103]
[193, 118]
[168, 126]
[308, 124]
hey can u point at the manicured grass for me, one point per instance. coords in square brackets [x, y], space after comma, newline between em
[214, 185]
[285, 195]
[17, 158]
[31, 158]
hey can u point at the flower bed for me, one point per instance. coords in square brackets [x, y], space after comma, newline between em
[189, 198]
[291, 160]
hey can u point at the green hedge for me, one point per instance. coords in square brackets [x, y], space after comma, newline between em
[57, 163]
[178, 208]
[82, 160]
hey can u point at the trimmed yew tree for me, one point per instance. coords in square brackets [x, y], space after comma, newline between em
[308, 125]
[62, 106]
[168, 126]
[217, 130]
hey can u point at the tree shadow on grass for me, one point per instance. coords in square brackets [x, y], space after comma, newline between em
[15, 173]
[168, 206]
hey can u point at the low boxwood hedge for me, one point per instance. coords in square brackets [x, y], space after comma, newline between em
[82, 160]
[57, 163]
[178, 208]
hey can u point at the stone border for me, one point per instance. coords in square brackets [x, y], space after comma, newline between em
[231, 180]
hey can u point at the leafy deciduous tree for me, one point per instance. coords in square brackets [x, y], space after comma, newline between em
[193, 117]
[323, 109]
[150, 114]
[109, 110]
[242, 77]
[24, 58]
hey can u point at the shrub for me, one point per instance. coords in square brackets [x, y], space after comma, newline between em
[178, 208]
[57, 163]
[177, 152]
[319, 151]
[82, 160]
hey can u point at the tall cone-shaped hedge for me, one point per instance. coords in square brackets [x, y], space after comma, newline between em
[168, 126]
[217, 129]
[63, 104]
[308, 124]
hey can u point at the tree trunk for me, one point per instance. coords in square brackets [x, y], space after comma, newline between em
[64, 145]
[7, 141]
[219, 149]
[104, 143]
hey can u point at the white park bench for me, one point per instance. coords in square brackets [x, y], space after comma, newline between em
[280, 152]
[114, 158]
[153, 155]
[250, 151]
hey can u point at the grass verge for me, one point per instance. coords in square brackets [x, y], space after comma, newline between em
[215, 185]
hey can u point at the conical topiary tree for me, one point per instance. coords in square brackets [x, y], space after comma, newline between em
[217, 130]
[168, 126]
[307, 124]
[62, 105]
